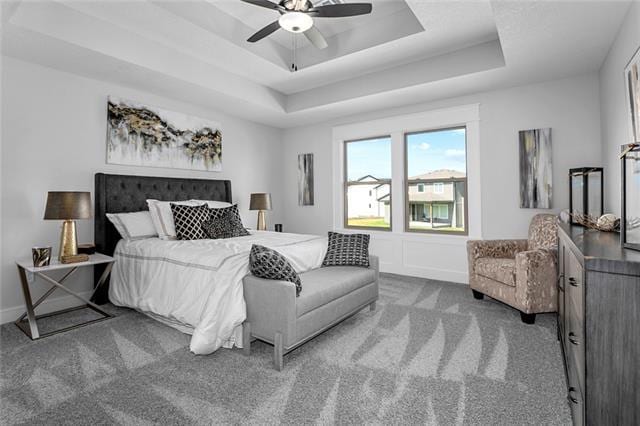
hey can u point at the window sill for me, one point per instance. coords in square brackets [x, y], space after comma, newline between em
[414, 236]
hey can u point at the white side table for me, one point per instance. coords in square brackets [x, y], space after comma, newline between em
[26, 266]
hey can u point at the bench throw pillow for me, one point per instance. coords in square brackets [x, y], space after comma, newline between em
[271, 265]
[224, 223]
[347, 250]
[188, 221]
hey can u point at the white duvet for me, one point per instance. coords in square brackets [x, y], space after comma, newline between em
[196, 286]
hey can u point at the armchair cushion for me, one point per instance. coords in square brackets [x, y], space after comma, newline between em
[505, 249]
[536, 274]
[498, 269]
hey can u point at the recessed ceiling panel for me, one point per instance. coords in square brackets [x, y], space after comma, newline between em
[388, 21]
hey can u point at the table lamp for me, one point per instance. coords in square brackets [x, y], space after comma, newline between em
[260, 202]
[67, 206]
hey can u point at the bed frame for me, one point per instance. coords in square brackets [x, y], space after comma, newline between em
[126, 193]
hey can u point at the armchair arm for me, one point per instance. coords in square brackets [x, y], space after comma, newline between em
[536, 275]
[493, 248]
[271, 307]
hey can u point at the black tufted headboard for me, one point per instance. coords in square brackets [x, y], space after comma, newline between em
[123, 193]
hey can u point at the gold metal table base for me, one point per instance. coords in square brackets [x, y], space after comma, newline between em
[30, 327]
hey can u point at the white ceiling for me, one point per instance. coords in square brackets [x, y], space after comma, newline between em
[196, 51]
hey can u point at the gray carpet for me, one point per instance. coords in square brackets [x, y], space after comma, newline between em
[429, 354]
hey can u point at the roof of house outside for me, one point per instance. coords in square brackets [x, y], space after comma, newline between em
[367, 178]
[440, 174]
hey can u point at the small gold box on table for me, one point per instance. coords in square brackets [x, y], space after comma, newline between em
[75, 258]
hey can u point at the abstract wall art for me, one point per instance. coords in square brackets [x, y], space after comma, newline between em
[536, 169]
[305, 179]
[632, 82]
[140, 135]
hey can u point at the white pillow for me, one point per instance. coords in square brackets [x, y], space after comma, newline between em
[133, 226]
[213, 204]
[162, 217]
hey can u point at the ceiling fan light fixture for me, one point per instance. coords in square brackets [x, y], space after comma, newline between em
[296, 22]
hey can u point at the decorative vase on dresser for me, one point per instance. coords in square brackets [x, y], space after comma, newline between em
[599, 325]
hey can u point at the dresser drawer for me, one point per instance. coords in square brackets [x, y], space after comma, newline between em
[574, 348]
[574, 289]
[575, 396]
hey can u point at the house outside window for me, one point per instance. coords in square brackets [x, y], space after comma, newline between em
[436, 176]
[367, 185]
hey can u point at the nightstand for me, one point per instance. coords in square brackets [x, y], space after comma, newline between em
[25, 268]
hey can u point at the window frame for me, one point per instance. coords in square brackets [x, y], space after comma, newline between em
[465, 180]
[346, 184]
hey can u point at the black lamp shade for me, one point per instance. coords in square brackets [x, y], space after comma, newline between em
[68, 205]
[260, 201]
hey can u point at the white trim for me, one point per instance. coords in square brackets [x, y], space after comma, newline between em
[8, 315]
[453, 268]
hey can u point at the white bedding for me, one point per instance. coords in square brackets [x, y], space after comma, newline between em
[196, 286]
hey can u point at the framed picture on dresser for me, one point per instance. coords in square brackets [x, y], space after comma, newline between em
[632, 86]
[630, 221]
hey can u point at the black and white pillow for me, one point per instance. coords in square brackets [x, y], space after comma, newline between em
[224, 223]
[188, 221]
[269, 264]
[347, 250]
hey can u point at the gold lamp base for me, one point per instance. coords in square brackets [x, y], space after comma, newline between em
[68, 240]
[262, 223]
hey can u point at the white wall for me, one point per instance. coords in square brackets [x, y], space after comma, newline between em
[569, 106]
[53, 138]
[613, 107]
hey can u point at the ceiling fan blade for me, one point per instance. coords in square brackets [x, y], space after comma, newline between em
[316, 38]
[264, 32]
[341, 10]
[263, 3]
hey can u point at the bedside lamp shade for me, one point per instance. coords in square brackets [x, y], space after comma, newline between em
[67, 206]
[260, 201]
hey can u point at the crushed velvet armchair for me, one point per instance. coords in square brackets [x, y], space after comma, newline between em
[520, 273]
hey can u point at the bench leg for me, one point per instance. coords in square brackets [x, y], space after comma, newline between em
[278, 352]
[246, 338]
[372, 306]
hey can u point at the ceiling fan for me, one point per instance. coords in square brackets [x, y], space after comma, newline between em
[296, 16]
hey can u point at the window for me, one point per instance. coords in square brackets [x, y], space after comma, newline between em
[436, 172]
[367, 186]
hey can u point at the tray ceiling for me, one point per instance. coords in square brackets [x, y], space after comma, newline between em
[404, 52]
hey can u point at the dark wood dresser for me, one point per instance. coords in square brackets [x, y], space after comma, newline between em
[599, 326]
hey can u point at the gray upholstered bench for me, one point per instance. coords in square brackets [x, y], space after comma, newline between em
[329, 295]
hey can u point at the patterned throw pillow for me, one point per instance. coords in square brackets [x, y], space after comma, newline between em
[189, 220]
[269, 264]
[347, 250]
[224, 223]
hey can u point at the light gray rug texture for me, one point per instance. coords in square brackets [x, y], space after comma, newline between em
[430, 354]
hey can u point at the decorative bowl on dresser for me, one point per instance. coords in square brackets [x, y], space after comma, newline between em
[599, 325]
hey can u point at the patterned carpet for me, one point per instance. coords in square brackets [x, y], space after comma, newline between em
[430, 354]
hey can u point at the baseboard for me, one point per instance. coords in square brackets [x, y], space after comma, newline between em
[50, 305]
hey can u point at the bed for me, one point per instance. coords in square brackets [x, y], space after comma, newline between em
[193, 286]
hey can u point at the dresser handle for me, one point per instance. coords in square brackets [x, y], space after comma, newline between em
[572, 338]
[570, 397]
[573, 282]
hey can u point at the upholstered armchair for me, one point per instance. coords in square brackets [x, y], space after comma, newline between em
[520, 273]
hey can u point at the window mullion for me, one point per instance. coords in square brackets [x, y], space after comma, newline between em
[397, 182]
